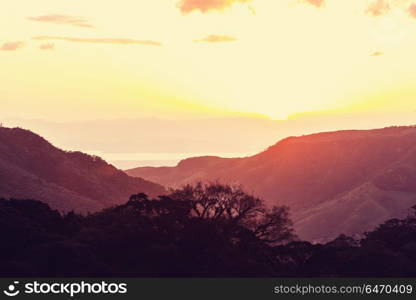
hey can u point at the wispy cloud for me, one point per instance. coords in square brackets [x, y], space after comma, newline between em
[412, 10]
[378, 8]
[12, 46]
[377, 53]
[119, 41]
[186, 6]
[62, 20]
[47, 46]
[317, 3]
[217, 39]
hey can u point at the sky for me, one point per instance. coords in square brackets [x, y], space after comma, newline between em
[271, 61]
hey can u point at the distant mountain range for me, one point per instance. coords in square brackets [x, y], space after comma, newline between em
[335, 182]
[32, 168]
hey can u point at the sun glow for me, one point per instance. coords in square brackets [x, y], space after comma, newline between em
[274, 58]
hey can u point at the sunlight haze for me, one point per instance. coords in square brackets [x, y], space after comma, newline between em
[92, 60]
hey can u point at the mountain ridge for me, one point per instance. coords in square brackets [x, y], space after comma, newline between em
[365, 168]
[32, 168]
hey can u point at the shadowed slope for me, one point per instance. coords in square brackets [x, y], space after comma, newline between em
[31, 167]
[335, 182]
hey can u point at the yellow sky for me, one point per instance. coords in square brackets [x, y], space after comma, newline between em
[133, 58]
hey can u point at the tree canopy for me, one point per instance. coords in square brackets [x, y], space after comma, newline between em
[202, 230]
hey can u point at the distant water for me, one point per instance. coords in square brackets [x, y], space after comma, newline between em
[132, 160]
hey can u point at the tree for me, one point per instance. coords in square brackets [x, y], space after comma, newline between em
[215, 201]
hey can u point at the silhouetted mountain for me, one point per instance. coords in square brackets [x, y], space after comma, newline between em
[32, 168]
[336, 182]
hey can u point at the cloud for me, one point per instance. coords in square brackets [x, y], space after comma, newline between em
[317, 3]
[186, 6]
[98, 40]
[412, 10]
[217, 39]
[47, 46]
[378, 8]
[62, 20]
[12, 46]
[377, 53]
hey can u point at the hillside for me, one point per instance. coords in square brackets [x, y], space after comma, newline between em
[32, 168]
[334, 182]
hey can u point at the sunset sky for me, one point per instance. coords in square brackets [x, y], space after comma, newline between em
[73, 61]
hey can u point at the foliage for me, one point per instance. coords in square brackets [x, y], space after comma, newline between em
[205, 230]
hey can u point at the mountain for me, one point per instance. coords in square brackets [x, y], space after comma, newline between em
[32, 168]
[334, 182]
